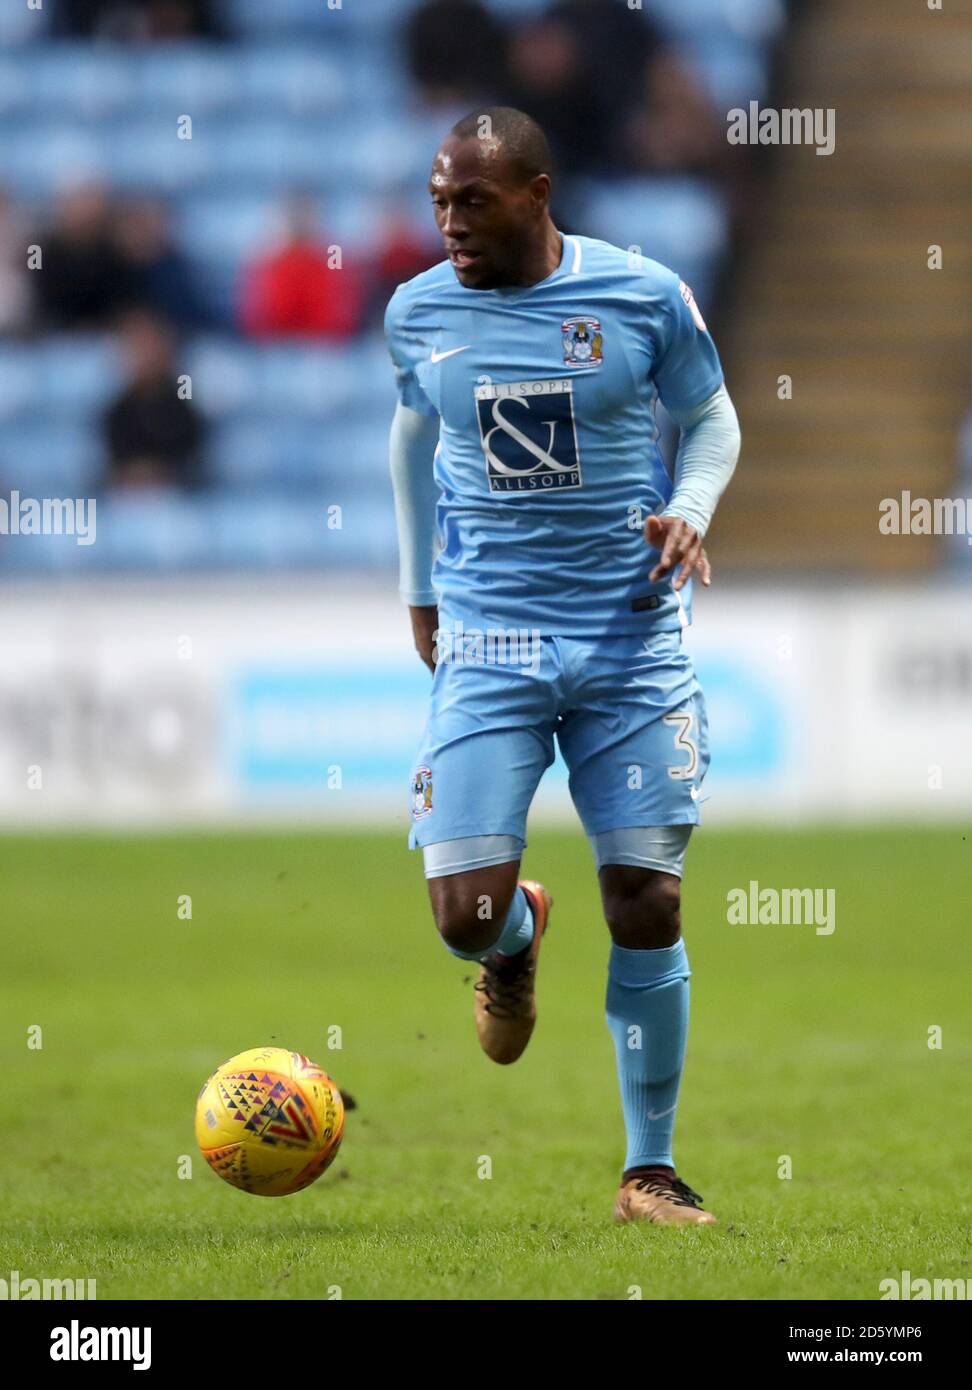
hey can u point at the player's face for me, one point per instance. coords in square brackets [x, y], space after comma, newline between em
[485, 216]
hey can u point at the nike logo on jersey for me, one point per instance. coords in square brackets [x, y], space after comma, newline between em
[441, 356]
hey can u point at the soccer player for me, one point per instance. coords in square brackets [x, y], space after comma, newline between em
[545, 558]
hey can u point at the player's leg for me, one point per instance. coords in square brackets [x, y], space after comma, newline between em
[485, 914]
[487, 743]
[472, 905]
[636, 744]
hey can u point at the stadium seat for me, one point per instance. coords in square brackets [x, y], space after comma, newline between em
[82, 82]
[337, 21]
[732, 71]
[77, 382]
[44, 458]
[681, 222]
[284, 453]
[757, 20]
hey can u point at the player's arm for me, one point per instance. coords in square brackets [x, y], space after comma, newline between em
[690, 382]
[412, 447]
[708, 451]
[414, 436]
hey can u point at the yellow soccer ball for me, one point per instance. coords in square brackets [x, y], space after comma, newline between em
[269, 1121]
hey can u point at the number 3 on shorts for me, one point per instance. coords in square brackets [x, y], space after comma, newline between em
[682, 723]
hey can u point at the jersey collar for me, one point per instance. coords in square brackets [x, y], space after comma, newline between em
[570, 264]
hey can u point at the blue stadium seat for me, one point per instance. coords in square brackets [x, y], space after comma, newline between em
[16, 86]
[681, 222]
[192, 78]
[298, 81]
[152, 531]
[147, 153]
[333, 21]
[45, 458]
[276, 451]
[52, 554]
[279, 533]
[757, 20]
[732, 71]
[55, 383]
[282, 452]
[312, 382]
[77, 380]
[19, 383]
[39, 156]
[228, 228]
[81, 81]
[20, 25]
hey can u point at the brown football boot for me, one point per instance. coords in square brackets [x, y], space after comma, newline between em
[505, 1002]
[662, 1199]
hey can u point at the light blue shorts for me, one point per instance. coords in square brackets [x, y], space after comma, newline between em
[626, 712]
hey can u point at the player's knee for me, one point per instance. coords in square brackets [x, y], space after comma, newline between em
[468, 919]
[642, 907]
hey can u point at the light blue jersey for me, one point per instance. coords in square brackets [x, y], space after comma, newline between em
[548, 462]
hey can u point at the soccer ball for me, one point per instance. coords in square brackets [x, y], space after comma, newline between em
[269, 1121]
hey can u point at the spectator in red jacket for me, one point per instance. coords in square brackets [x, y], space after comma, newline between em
[302, 288]
[403, 248]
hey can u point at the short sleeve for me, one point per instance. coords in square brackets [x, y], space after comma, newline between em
[405, 350]
[687, 370]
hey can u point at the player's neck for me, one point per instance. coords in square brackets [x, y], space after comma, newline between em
[541, 260]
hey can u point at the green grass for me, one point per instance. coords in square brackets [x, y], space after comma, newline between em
[800, 1044]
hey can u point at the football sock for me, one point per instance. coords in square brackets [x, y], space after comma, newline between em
[515, 936]
[647, 1013]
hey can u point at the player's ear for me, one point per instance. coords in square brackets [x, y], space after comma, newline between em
[540, 192]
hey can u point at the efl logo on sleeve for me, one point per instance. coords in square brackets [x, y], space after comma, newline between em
[689, 298]
[529, 436]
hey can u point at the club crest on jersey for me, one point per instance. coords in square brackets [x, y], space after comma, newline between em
[421, 792]
[583, 342]
[529, 435]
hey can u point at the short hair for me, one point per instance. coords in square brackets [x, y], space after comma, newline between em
[518, 135]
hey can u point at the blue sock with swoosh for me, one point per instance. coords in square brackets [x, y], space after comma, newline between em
[647, 1013]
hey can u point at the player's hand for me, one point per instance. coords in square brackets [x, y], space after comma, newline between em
[681, 548]
[425, 624]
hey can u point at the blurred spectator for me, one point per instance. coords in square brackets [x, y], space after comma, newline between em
[135, 20]
[401, 252]
[84, 281]
[455, 51]
[159, 275]
[675, 129]
[303, 288]
[610, 95]
[15, 299]
[575, 69]
[154, 437]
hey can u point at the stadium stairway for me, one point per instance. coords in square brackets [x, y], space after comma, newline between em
[836, 292]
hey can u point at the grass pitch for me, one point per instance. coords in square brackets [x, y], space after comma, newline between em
[812, 1047]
